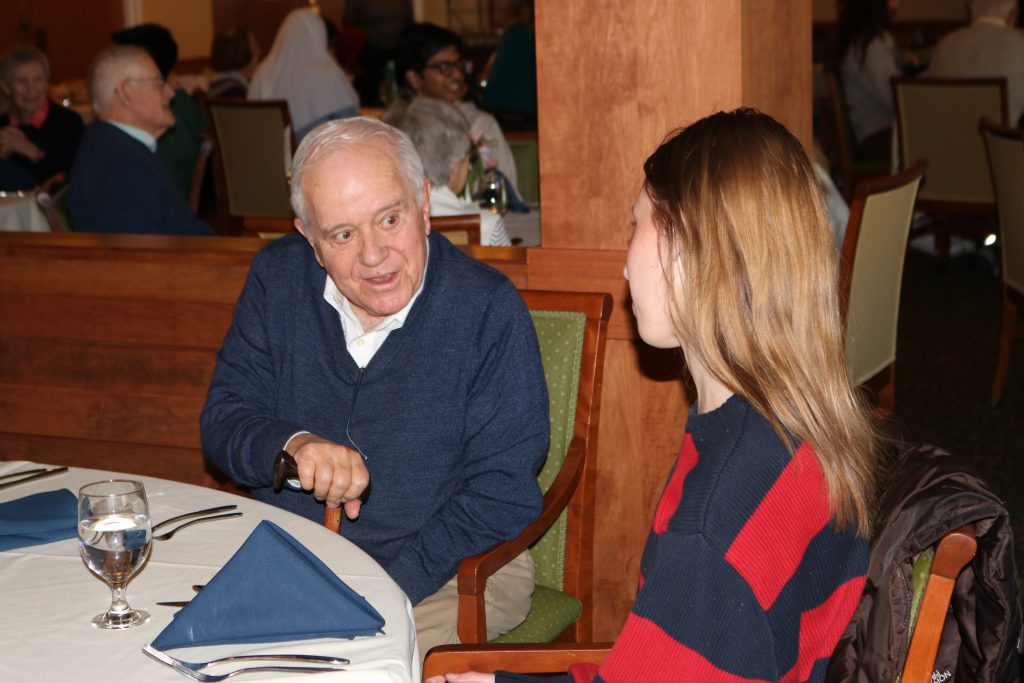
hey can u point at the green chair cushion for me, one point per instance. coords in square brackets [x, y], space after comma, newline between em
[551, 613]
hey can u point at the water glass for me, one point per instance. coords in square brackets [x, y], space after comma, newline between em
[115, 536]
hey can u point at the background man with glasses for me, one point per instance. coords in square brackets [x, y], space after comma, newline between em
[373, 351]
[117, 183]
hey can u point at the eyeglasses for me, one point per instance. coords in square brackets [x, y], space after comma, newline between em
[448, 67]
[156, 80]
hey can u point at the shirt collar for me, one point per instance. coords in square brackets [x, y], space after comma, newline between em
[353, 328]
[36, 119]
[142, 136]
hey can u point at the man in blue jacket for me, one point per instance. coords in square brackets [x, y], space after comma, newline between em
[373, 351]
[117, 183]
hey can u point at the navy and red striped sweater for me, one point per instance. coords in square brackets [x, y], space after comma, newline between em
[745, 576]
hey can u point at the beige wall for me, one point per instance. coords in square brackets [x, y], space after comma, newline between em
[910, 10]
[191, 22]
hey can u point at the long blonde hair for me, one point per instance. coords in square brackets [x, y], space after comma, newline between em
[750, 261]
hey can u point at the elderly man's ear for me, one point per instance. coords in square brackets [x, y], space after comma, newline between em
[426, 205]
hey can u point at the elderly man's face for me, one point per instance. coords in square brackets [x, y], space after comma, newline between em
[366, 229]
[27, 88]
[147, 97]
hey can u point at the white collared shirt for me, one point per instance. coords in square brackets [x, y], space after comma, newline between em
[142, 136]
[363, 344]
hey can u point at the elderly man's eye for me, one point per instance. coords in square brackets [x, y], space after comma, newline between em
[342, 235]
[391, 220]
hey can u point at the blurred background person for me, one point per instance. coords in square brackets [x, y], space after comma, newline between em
[301, 70]
[866, 58]
[511, 90]
[380, 23]
[178, 148]
[38, 137]
[117, 183]
[441, 136]
[234, 56]
[430, 64]
[989, 48]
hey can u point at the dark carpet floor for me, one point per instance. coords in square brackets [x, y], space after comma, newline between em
[948, 334]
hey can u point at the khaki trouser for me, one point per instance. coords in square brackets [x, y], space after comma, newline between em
[506, 603]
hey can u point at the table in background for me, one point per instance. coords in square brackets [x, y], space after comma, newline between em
[49, 597]
[525, 226]
[20, 213]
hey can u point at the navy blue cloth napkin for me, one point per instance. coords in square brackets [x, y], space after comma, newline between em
[37, 519]
[272, 590]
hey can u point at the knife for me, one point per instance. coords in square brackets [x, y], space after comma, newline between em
[197, 513]
[21, 474]
[32, 474]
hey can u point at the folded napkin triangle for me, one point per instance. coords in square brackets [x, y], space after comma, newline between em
[37, 519]
[272, 590]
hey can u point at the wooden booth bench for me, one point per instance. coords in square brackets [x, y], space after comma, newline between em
[108, 343]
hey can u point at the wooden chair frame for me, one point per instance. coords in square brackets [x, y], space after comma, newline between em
[1011, 326]
[945, 227]
[232, 223]
[843, 138]
[884, 382]
[534, 659]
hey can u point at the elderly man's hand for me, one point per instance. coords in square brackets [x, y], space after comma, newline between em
[336, 474]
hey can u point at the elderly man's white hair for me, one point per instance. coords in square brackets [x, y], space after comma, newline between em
[346, 134]
[113, 65]
[992, 8]
[440, 133]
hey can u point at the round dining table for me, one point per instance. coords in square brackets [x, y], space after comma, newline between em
[48, 595]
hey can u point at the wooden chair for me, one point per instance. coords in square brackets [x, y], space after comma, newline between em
[463, 229]
[253, 146]
[50, 200]
[1005, 147]
[836, 133]
[937, 121]
[524, 659]
[199, 173]
[571, 328]
[871, 271]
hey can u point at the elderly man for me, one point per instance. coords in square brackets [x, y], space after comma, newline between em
[379, 352]
[441, 136]
[989, 47]
[117, 183]
[37, 136]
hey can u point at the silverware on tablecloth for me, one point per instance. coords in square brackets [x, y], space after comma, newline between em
[192, 669]
[197, 513]
[30, 475]
[167, 535]
[181, 603]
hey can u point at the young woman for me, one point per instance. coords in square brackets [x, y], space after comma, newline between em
[757, 553]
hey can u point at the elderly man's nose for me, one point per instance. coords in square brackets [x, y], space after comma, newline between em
[372, 251]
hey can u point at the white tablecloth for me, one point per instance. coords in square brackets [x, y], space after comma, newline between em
[525, 226]
[21, 214]
[49, 597]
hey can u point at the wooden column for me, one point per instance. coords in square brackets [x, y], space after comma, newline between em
[613, 79]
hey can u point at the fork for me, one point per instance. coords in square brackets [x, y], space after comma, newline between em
[191, 669]
[170, 534]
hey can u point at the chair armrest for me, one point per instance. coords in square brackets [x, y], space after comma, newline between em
[536, 659]
[474, 571]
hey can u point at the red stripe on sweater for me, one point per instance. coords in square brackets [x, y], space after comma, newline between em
[644, 652]
[772, 543]
[822, 627]
[583, 673]
[674, 491]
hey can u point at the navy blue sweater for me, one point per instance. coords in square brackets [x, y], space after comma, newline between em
[451, 413]
[118, 185]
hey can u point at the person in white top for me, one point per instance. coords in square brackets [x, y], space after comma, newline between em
[430, 63]
[441, 136]
[300, 69]
[989, 47]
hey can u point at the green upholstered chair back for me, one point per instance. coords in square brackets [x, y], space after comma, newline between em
[560, 335]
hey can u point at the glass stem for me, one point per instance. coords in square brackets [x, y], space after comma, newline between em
[118, 598]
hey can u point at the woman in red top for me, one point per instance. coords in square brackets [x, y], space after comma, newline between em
[757, 553]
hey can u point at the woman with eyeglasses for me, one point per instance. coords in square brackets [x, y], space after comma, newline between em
[757, 553]
[430, 64]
